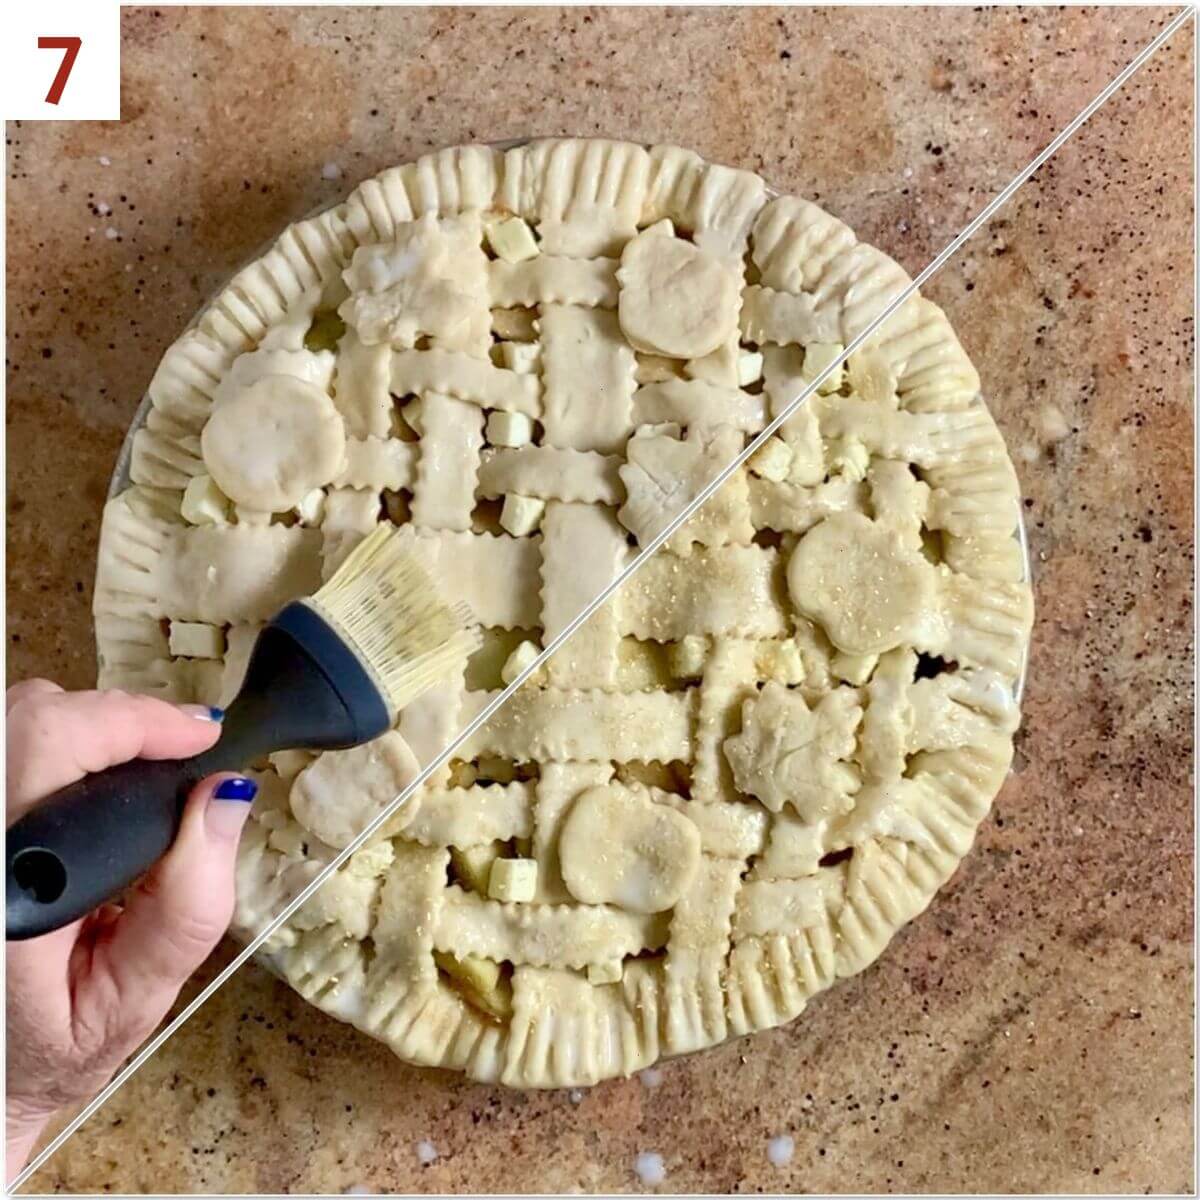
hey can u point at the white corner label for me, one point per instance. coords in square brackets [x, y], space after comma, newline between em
[61, 61]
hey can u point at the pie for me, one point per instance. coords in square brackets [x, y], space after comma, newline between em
[750, 767]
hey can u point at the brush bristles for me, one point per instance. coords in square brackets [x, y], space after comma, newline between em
[386, 608]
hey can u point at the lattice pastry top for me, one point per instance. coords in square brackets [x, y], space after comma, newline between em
[748, 769]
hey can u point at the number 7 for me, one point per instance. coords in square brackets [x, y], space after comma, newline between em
[70, 46]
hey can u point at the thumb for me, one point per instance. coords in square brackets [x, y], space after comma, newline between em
[177, 913]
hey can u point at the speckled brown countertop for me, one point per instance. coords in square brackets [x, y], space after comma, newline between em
[1033, 1029]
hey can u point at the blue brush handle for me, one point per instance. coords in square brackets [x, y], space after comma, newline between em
[86, 843]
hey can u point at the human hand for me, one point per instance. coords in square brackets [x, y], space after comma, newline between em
[81, 999]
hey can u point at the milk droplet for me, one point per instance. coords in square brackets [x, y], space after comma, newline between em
[426, 1153]
[1054, 425]
[780, 1150]
[649, 1168]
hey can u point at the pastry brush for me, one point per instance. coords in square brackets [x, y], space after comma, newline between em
[329, 672]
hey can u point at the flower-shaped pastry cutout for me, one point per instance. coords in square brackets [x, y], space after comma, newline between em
[862, 582]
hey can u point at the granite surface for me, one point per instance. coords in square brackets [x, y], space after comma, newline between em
[1033, 1030]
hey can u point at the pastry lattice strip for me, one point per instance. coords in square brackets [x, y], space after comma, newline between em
[910, 398]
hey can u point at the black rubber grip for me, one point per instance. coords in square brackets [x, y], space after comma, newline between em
[83, 845]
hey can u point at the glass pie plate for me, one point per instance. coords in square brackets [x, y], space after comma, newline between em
[121, 476]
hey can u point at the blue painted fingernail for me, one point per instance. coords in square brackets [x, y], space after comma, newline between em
[237, 788]
[204, 712]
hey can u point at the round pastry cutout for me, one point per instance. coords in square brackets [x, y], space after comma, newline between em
[270, 445]
[676, 299]
[618, 846]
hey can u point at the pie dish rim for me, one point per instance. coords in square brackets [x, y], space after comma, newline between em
[121, 477]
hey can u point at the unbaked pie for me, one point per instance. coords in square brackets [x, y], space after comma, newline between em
[742, 774]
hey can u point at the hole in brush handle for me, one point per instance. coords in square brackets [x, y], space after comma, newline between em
[40, 874]
[81, 846]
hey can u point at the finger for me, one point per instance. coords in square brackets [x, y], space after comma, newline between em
[102, 918]
[95, 927]
[177, 914]
[55, 738]
[28, 688]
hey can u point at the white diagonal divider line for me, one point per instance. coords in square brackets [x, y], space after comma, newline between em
[502, 698]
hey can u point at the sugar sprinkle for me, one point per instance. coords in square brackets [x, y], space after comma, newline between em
[426, 1153]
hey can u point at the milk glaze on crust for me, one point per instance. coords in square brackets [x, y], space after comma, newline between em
[745, 772]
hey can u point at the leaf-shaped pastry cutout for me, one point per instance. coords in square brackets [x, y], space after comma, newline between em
[618, 847]
[430, 281]
[272, 443]
[886, 810]
[788, 753]
[676, 300]
[663, 474]
[898, 498]
[862, 582]
[888, 718]
[967, 707]
[346, 898]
